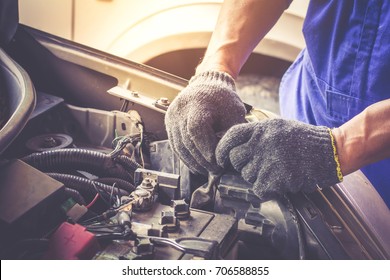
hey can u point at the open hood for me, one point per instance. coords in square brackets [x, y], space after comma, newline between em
[88, 102]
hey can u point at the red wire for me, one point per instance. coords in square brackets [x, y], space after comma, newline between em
[93, 201]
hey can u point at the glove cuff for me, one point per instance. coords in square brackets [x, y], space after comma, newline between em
[336, 156]
[327, 171]
[212, 77]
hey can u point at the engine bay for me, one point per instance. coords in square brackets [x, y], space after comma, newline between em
[87, 173]
[101, 179]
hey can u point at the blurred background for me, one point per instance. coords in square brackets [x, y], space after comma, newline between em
[170, 35]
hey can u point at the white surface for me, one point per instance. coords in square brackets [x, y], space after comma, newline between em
[54, 16]
[141, 30]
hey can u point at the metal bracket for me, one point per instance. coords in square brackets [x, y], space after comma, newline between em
[159, 105]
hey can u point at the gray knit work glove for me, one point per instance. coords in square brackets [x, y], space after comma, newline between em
[208, 105]
[279, 156]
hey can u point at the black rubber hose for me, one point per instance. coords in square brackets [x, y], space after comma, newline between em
[122, 184]
[64, 160]
[128, 162]
[86, 186]
[75, 194]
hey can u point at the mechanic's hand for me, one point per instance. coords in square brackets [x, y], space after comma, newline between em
[278, 156]
[208, 105]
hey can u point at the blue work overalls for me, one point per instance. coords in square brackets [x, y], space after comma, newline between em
[344, 68]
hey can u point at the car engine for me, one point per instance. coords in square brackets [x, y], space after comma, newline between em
[102, 179]
[87, 173]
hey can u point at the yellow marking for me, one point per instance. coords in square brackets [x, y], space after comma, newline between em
[336, 156]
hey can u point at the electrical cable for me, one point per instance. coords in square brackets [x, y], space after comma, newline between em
[93, 201]
[75, 195]
[101, 194]
[112, 192]
[84, 185]
[141, 130]
[101, 217]
[65, 160]
[121, 184]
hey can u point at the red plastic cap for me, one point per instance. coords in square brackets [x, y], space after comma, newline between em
[72, 242]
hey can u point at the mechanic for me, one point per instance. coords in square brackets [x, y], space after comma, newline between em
[335, 100]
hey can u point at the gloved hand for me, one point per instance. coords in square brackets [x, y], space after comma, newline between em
[278, 156]
[208, 105]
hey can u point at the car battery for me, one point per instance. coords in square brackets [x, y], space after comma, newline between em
[211, 235]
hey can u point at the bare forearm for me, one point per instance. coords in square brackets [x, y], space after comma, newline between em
[365, 138]
[240, 27]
